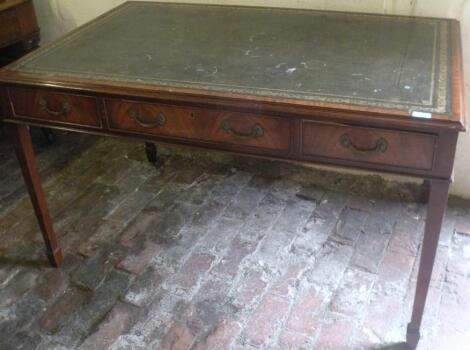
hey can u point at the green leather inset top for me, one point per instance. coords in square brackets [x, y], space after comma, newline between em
[373, 60]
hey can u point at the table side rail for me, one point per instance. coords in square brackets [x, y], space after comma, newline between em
[432, 151]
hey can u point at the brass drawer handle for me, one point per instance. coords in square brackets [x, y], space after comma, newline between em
[256, 132]
[64, 109]
[381, 145]
[134, 115]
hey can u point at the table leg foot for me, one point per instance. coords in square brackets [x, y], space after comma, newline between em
[55, 257]
[151, 152]
[48, 136]
[412, 337]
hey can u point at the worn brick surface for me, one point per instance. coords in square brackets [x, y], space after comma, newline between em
[228, 254]
[221, 337]
[462, 225]
[93, 271]
[17, 287]
[294, 341]
[249, 287]
[144, 287]
[353, 294]
[320, 224]
[136, 262]
[335, 333]
[244, 203]
[287, 280]
[194, 268]
[62, 310]
[117, 322]
[21, 341]
[104, 232]
[93, 310]
[201, 320]
[237, 251]
[53, 284]
[258, 331]
[349, 226]
[219, 236]
[304, 316]
[329, 267]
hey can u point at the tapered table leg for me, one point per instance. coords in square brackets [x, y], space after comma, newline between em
[438, 193]
[21, 139]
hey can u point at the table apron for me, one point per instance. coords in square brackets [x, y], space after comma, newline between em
[318, 138]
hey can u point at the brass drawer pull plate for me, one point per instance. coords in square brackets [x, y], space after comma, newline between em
[256, 132]
[134, 115]
[65, 108]
[381, 145]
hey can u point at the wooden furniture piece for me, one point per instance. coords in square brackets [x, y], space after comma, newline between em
[19, 34]
[18, 24]
[373, 92]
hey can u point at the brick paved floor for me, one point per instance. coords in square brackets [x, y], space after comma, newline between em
[219, 255]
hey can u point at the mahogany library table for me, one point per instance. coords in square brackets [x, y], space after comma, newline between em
[375, 92]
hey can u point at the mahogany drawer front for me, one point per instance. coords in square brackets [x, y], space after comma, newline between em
[206, 125]
[249, 129]
[380, 146]
[57, 107]
[151, 119]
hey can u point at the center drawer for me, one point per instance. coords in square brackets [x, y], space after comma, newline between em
[224, 127]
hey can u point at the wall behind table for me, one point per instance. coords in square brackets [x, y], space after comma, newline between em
[57, 17]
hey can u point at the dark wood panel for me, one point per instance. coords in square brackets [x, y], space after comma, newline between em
[60, 108]
[369, 145]
[218, 126]
[18, 23]
[9, 27]
[27, 18]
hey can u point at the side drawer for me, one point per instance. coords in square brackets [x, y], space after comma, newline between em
[369, 145]
[56, 107]
[223, 127]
